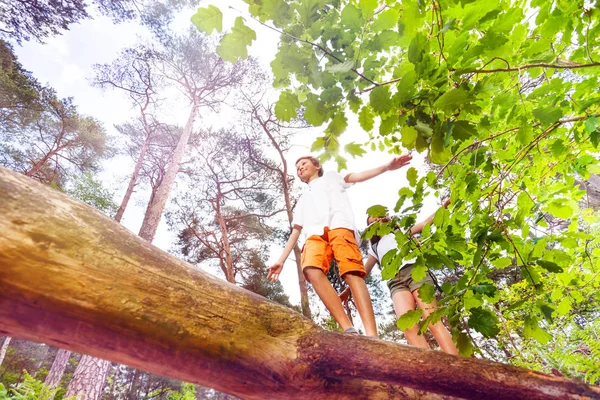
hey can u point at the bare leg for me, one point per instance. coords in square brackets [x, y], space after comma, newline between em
[363, 302]
[328, 295]
[438, 329]
[404, 302]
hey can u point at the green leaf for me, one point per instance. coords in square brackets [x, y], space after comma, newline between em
[533, 331]
[451, 100]
[354, 149]
[432, 319]
[351, 17]
[464, 345]
[549, 266]
[560, 209]
[463, 130]
[438, 154]
[309, 11]
[484, 322]
[412, 175]
[208, 19]
[385, 20]
[419, 272]
[315, 111]
[285, 108]
[377, 211]
[525, 134]
[409, 136]
[427, 293]
[409, 319]
[366, 118]
[341, 67]
[380, 99]
[489, 289]
[338, 124]
[234, 45]
[547, 115]
[367, 7]
[387, 39]
[591, 124]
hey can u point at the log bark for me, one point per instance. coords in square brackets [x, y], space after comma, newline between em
[72, 277]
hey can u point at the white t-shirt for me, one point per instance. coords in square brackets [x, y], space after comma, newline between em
[324, 203]
[386, 244]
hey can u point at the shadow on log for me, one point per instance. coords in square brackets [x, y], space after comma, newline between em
[73, 278]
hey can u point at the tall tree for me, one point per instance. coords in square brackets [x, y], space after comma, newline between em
[232, 186]
[25, 20]
[278, 135]
[4, 348]
[132, 72]
[20, 92]
[190, 64]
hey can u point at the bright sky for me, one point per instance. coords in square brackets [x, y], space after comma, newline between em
[66, 64]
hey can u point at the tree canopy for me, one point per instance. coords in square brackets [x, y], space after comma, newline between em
[502, 97]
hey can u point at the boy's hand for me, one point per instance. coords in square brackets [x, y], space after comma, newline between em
[274, 271]
[446, 203]
[345, 294]
[399, 162]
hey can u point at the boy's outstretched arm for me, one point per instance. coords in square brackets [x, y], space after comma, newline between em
[417, 228]
[275, 269]
[396, 163]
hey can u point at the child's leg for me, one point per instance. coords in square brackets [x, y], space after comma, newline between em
[404, 302]
[349, 260]
[328, 295]
[438, 329]
[360, 293]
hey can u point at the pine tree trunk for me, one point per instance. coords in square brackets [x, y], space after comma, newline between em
[156, 208]
[85, 383]
[58, 368]
[4, 348]
[154, 312]
[132, 181]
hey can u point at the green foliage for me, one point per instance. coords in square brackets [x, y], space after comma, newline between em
[30, 389]
[87, 189]
[187, 392]
[503, 97]
[208, 19]
[234, 45]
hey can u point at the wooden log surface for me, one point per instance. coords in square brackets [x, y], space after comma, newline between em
[73, 278]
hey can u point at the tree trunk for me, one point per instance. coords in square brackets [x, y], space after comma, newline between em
[4, 348]
[156, 208]
[58, 368]
[132, 181]
[85, 383]
[101, 290]
[304, 303]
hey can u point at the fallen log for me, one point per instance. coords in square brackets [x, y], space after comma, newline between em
[73, 278]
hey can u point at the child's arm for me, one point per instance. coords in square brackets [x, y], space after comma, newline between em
[396, 163]
[369, 264]
[417, 228]
[275, 269]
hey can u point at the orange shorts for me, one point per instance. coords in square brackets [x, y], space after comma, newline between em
[319, 251]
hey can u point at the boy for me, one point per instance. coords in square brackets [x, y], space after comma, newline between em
[325, 216]
[404, 290]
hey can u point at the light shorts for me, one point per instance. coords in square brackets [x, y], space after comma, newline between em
[404, 281]
[319, 251]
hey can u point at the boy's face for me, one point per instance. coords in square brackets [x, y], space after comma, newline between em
[306, 170]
